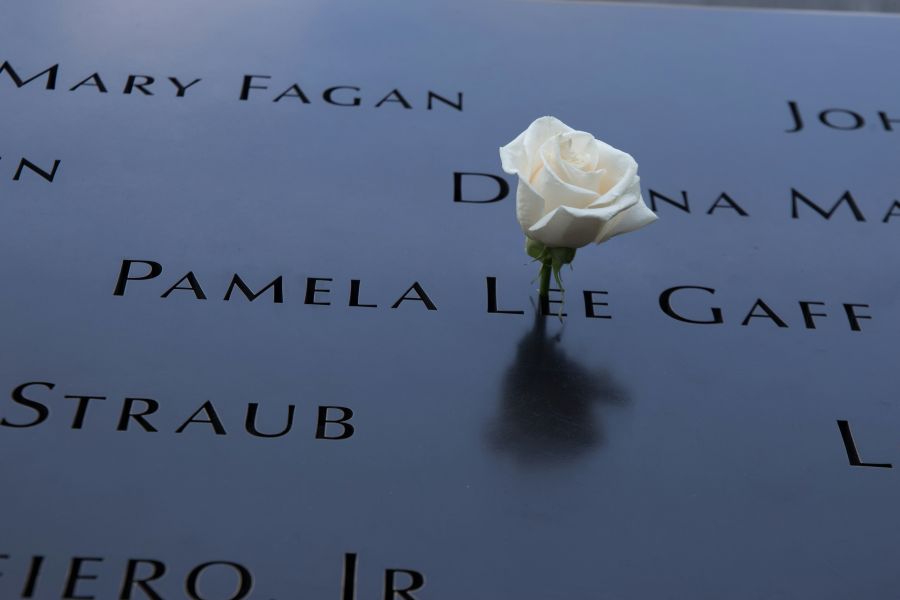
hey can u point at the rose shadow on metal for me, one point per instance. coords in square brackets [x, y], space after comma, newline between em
[548, 401]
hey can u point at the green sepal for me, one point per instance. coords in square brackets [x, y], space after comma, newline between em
[558, 258]
[534, 248]
[563, 255]
[552, 260]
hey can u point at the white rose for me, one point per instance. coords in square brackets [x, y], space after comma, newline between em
[573, 189]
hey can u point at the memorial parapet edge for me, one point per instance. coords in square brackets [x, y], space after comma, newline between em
[268, 331]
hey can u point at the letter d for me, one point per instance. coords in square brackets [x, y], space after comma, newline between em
[502, 193]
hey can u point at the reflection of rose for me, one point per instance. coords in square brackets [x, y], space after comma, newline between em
[573, 189]
[551, 405]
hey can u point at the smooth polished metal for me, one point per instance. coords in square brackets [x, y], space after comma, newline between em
[862, 6]
[499, 455]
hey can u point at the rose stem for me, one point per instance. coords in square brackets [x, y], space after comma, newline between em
[544, 290]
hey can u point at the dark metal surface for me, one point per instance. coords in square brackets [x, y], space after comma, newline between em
[871, 6]
[500, 455]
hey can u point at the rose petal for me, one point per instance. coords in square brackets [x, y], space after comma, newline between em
[586, 180]
[620, 179]
[580, 144]
[529, 205]
[521, 156]
[567, 227]
[550, 183]
[630, 219]
[554, 154]
[606, 154]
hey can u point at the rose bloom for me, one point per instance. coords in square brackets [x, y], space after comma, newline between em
[573, 189]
